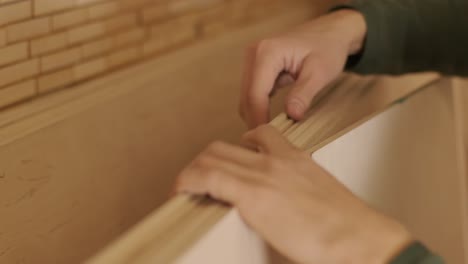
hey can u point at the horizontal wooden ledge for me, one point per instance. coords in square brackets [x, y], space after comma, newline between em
[170, 231]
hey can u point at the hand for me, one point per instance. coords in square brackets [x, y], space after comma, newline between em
[313, 55]
[296, 206]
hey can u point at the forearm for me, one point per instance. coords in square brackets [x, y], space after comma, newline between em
[406, 36]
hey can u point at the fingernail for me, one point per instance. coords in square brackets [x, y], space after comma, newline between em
[295, 109]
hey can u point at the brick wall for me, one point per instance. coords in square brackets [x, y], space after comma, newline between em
[46, 45]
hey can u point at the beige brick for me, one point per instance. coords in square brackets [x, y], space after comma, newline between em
[132, 4]
[121, 22]
[7, 1]
[13, 53]
[213, 28]
[103, 10]
[124, 56]
[182, 6]
[131, 36]
[3, 38]
[169, 34]
[15, 12]
[83, 33]
[238, 11]
[96, 47]
[17, 92]
[215, 20]
[70, 18]
[154, 46]
[47, 6]
[29, 29]
[155, 13]
[18, 72]
[48, 44]
[89, 69]
[55, 80]
[87, 2]
[61, 59]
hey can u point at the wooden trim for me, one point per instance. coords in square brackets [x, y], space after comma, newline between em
[460, 98]
[167, 233]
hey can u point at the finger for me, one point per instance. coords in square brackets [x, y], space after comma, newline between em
[309, 83]
[234, 154]
[268, 140]
[285, 79]
[266, 66]
[218, 183]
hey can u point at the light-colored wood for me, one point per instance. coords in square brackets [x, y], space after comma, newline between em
[460, 98]
[386, 162]
[406, 163]
[349, 102]
[81, 166]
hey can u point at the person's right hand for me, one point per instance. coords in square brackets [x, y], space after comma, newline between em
[313, 55]
[296, 206]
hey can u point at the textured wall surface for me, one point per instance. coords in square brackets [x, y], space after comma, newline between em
[68, 189]
[46, 45]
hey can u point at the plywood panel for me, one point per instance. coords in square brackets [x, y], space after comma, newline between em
[169, 232]
[399, 162]
[81, 167]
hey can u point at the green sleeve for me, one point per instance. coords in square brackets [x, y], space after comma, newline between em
[417, 254]
[412, 36]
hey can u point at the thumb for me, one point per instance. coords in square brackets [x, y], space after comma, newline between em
[310, 81]
[267, 139]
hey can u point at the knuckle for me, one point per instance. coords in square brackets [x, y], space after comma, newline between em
[267, 46]
[259, 131]
[211, 176]
[203, 162]
[263, 130]
[215, 146]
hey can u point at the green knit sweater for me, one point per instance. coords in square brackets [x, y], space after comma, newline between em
[407, 36]
[413, 36]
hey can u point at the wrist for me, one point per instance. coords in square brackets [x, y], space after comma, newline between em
[383, 242]
[380, 240]
[352, 26]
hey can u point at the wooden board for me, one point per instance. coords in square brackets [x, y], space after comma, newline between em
[389, 163]
[166, 234]
[405, 162]
[80, 167]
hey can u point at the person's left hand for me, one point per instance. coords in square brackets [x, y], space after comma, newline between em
[296, 206]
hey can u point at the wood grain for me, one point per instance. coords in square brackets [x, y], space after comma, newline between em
[81, 166]
[349, 102]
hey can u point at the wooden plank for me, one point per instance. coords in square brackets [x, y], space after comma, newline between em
[406, 163]
[460, 108]
[83, 165]
[351, 102]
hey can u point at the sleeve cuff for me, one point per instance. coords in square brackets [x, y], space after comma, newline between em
[383, 49]
[417, 253]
